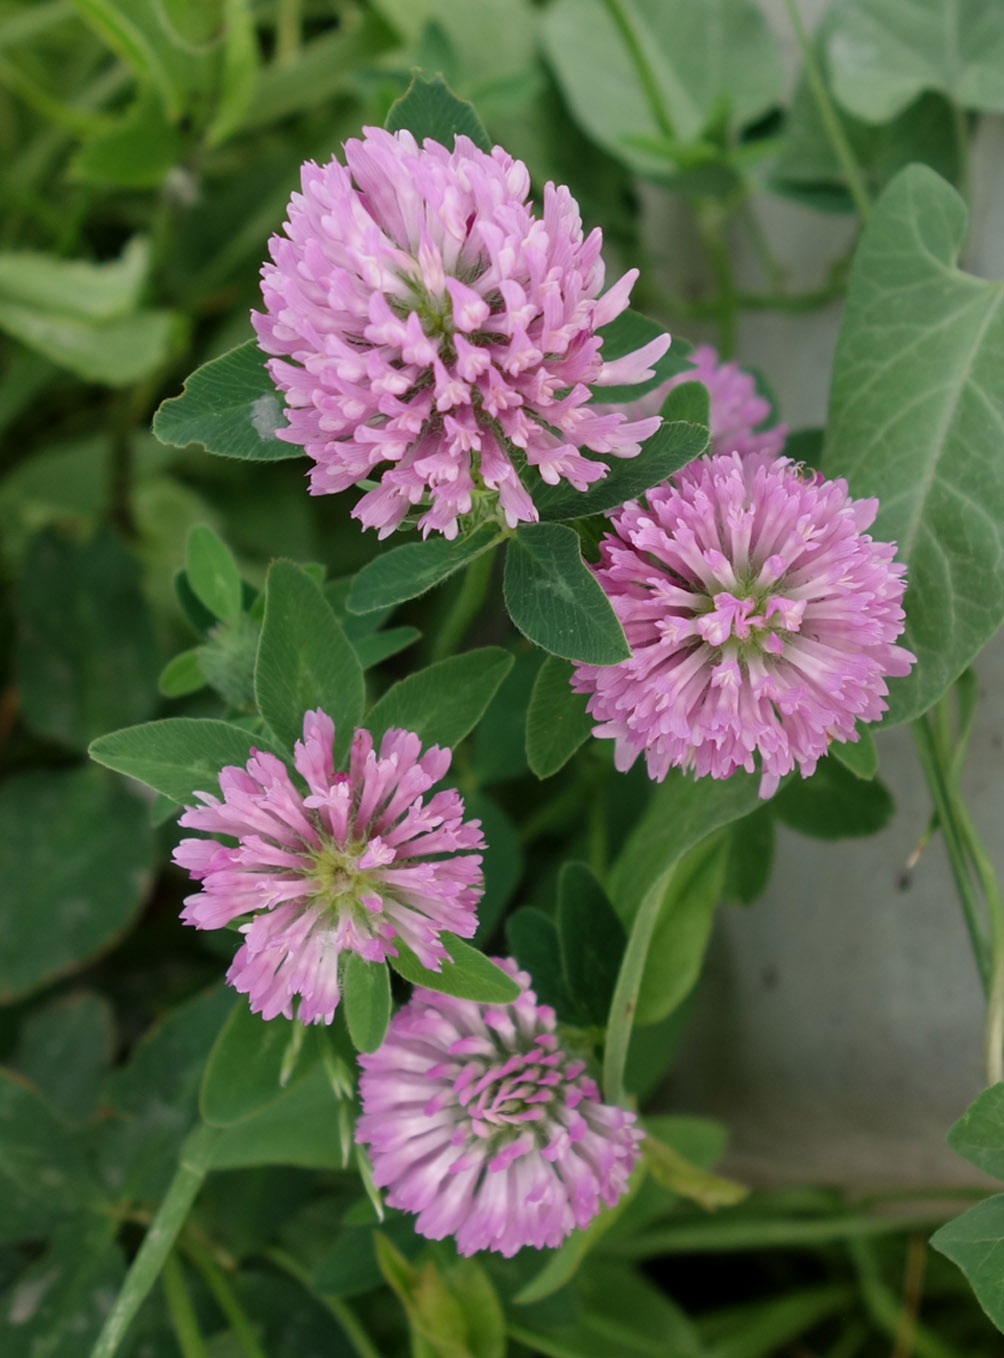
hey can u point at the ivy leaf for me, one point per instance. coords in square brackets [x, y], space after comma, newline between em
[917, 419]
[882, 56]
[554, 600]
[975, 1242]
[429, 108]
[231, 407]
[978, 1136]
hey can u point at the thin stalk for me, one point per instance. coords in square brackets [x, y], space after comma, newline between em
[993, 1031]
[348, 1320]
[883, 1306]
[288, 28]
[466, 605]
[179, 1307]
[635, 45]
[722, 1236]
[831, 121]
[913, 1283]
[626, 991]
[223, 1294]
[712, 235]
[927, 751]
[193, 1165]
[772, 267]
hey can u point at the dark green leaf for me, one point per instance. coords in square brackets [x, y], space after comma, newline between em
[470, 975]
[182, 675]
[376, 647]
[443, 703]
[554, 600]
[501, 861]
[682, 811]
[682, 437]
[135, 151]
[750, 858]
[65, 1050]
[76, 855]
[975, 1242]
[533, 940]
[44, 1175]
[978, 1135]
[429, 108]
[231, 407]
[178, 756]
[212, 573]
[305, 660]
[86, 656]
[244, 1068]
[500, 741]
[366, 996]
[556, 721]
[298, 1128]
[626, 333]
[859, 756]
[834, 803]
[917, 418]
[59, 1303]
[406, 572]
[592, 940]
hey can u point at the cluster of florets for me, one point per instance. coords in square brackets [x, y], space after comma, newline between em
[359, 861]
[480, 1123]
[761, 619]
[431, 333]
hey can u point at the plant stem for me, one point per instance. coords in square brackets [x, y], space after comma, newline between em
[831, 120]
[884, 1307]
[626, 991]
[193, 1165]
[287, 32]
[179, 1306]
[927, 751]
[223, 1294]
[343, 1313]
[466, 605]
[635, 45]
[712, 232]
[709, 1235]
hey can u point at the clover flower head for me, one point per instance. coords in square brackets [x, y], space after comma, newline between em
[429, 332]
[348, 861]
[761, 619]
[479, 1122]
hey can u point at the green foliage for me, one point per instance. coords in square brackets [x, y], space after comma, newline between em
[429, 108]
[366, 996]
[975, 1241]
[834, 803]
[556, 719]
[305, 661]
[75, 851]
[469, 975]
[179, 756]
[408, 571]
[859, 756]
[65, 1050]
[555, 602]
[86, 654]
[916, 414]
[591, 939]
[682, 437]
[444, 702]
[230, 407]
[246, 1066]
[882, 55]
[212, 573]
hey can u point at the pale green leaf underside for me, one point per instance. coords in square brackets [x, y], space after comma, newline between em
[917, 419]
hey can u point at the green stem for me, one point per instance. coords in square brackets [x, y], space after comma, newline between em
[179, 1307]
[927, 751]
[346, 1317]
[193, 1165]
[635, 45]
[883, 1306]
[993, 1031]
[960, 124]
[831, 121]
[626, 991]
[466, 605]
[223, 1294]
[287, 32]
[772, 267]
[712, 1236]
[712, 232]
